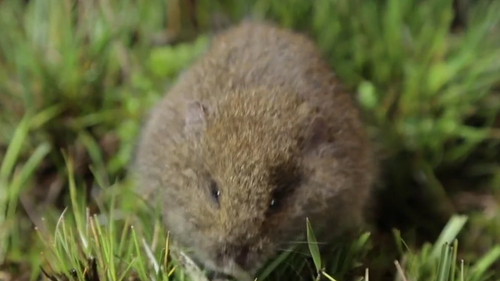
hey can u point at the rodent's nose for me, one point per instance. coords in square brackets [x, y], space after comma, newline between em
[241, 256]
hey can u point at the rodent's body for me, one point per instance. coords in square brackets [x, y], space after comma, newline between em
[256, 136]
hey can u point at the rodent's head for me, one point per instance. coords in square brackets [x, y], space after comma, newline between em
[242, 191]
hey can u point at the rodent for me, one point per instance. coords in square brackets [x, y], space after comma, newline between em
[252, 139]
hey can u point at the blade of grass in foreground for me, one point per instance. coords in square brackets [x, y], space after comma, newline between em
[438, 262]
[449, 233]
[313, 246]
[11, 184]
[6, 169]
[274, 264]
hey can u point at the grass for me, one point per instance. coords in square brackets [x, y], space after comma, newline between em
[76, 79]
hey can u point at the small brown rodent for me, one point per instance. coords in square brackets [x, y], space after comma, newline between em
[256, 136]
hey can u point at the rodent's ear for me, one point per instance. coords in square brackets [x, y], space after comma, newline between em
[316, 134]
[196, 116]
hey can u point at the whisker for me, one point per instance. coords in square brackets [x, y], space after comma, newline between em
[292, 267]
[304, 242]
[284, 250]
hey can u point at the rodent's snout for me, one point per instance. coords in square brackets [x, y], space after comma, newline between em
[238, 254]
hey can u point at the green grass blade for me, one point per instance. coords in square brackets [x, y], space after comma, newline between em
[313, 246]
[26, 172]
[449, 233]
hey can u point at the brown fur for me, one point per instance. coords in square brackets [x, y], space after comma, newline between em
[260, 110]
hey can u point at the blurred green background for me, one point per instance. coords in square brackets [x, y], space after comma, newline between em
[76, 78]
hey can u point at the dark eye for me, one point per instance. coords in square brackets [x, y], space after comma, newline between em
[215, 191]
[273, 203]
[277, 197]
[285, 178]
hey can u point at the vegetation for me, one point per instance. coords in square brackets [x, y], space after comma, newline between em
[76, 77]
